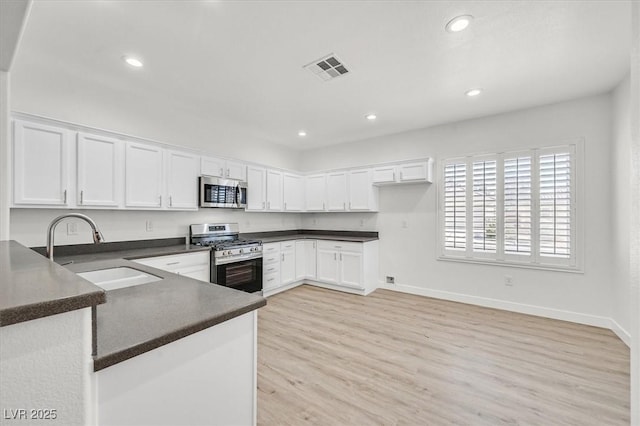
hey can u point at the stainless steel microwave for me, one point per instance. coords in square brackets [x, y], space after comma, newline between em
[222, 193]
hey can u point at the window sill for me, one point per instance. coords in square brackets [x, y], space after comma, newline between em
[555, 268]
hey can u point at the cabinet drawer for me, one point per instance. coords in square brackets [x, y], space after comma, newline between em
[268, 259]
[287, 245]
[270, 248]
[273, 268]
[271, 280]
[177, 261]
[340, 246]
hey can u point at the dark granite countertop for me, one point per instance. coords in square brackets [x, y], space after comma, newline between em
[31, 286]
[314, 234]
[162, 311]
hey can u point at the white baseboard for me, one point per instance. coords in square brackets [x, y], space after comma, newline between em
[559, 314]
[623, 334]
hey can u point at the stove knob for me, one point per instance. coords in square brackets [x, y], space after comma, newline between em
[241, 250]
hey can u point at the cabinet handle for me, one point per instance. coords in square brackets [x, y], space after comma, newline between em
[263, 204]
[335, 256]
[81, 197]
[285, 205]
[173, 263]
[270, 279]
[228, 172]
[344, 206]
[270, 269]
[394, 176]
[283, 257]
[65, 196]
[160, 196]
[400, 174]
[340, 257]
[314, 244]
[221, 172]
[338, 247]
[170, 201]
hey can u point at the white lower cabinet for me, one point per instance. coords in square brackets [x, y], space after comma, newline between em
[340, 265]
[192, 265]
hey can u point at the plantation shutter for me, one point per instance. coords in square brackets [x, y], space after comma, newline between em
[484, 206]
[517, 205]
[556, 205]
[455, 206]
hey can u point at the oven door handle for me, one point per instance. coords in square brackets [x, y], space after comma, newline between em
[236, 259]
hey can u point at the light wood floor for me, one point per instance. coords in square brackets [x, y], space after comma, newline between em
[331, 358]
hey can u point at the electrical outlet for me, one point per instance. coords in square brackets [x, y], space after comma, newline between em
[149, 226]
[405, 224]
[508, 280]
[72, 228]
[391, 280]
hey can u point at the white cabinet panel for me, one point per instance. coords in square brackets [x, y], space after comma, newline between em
[414, 172]
[218, 167]
[274, 190]
[337, 191]
[363, 196]
[385, 174]
[41, 164]
[256, 188]
[183, 170]
[143, 175]
[293, 192]
[316, 193]
[212, 166]
[351, 269]
[236, 170]
[287, 266]
[100, 172]
[194, 265]
[305, 259]
[327, 266]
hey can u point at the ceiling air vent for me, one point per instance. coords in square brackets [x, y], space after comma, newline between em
[327, 68]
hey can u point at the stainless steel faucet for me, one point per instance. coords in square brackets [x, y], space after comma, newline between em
[97, 235]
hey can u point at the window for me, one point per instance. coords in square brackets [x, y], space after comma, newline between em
[516, 208]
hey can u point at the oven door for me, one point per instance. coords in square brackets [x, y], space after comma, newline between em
[245, 275]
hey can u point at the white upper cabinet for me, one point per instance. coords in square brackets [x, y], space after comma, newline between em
[213, 166]
[316, 193]
[41, 165]
[337, 191]
[363, 196]
[274, 191]
[183, 170]
[256, 188]
[405, 172]
[100, 171]
[143, 175]
[293, 192]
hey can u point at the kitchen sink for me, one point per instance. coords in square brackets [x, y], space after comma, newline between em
[121, 277]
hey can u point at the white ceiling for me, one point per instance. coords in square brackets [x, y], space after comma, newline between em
[242, 61]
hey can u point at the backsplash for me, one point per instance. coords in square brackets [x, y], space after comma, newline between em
[29, 226]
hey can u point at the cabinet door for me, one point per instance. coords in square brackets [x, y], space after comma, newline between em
[143, 175]
[100, 173]
[385, 174]
[236, 170]
[274, 190]
[360, 189]
[212, 166]
[414, 172]
[327, 266]
[351, 269]
[337, 191]
[256, 188]
[288, 266]
[316, 193]
[310, 259]
[293, 193]
[301, 259]
[41, 164]
[183, 170]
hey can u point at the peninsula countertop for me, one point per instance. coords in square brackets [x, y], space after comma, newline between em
[31, 286]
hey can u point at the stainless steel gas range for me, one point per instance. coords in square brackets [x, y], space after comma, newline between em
[235, 262]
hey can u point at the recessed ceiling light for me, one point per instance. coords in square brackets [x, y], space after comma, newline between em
[458, 23]
[371, 117]
[302, 133]
[473, 92]
[134, 62]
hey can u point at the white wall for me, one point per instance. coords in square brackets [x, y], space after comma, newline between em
[46, 364]
[409, 254]
[621, 204]
[5, 155]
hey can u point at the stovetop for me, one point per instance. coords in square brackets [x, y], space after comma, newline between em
[228, 244]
